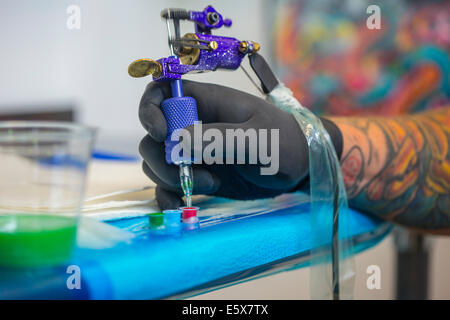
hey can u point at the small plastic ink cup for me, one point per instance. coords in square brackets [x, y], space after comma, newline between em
[172, 217]
[156, 221]
[172, 221]
[189, 217]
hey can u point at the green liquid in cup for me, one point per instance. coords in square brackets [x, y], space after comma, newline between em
[36, 240]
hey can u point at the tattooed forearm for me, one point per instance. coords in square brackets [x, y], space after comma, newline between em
[399, 168]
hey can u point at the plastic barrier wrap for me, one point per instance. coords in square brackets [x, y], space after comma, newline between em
[332, 265]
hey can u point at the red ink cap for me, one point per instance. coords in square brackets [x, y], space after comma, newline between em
[189, 212]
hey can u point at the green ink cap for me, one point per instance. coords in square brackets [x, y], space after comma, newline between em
[156, 219]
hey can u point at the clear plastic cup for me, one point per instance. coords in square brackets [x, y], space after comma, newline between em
[42, 179]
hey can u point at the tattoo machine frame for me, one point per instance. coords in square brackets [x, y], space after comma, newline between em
[202, 51]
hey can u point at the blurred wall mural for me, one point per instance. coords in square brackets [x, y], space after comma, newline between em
[336, 65]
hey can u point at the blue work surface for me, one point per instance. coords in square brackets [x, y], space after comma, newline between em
[156, 266]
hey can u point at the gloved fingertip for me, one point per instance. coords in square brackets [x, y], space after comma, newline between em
[144, 145]
[153, 121]
[167, 199]
[205, 182]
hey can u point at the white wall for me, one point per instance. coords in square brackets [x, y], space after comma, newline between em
[42, 62]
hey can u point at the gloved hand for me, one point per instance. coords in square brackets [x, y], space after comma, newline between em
[225, 108]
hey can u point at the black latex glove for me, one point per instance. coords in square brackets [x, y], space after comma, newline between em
[224, 108]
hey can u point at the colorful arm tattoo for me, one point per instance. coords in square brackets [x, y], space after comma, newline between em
[399, 168]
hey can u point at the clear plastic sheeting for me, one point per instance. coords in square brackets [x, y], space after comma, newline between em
[332, 266]
[225, 210]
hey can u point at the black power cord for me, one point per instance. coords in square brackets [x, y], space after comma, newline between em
[335, 238]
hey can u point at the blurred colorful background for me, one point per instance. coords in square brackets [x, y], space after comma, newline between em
[336, 65]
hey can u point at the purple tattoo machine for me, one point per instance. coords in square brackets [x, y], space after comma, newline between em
[192, 53]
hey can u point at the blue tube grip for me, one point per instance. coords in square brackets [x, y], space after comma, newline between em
[179, 112]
